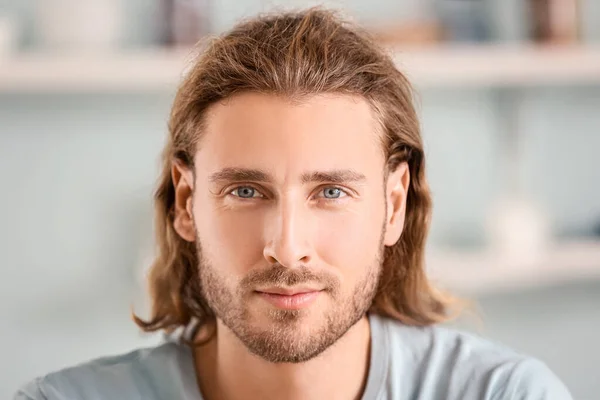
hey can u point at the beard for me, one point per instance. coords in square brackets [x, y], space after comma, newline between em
[285, 338]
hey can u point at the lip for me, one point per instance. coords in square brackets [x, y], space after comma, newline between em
[295, 299]
[289, 291]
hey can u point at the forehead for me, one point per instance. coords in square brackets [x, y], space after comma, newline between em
[287, 138]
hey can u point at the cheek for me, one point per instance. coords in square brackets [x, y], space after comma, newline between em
[350, 241]
[231, 239]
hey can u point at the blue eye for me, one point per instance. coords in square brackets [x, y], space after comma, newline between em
[246, 192]
[333, 193]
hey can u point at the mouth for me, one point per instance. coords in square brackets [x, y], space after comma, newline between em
[290, 299]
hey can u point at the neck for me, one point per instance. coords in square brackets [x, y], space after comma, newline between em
[226, 370]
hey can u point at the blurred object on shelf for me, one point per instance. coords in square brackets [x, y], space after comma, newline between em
[184, 22]
[540, 20]
[508, 21]
[9, 33]
[417, 33]
[517, 225]
[555, 21]
[464, 20]
[589, 12]
[597, 227]
[79, 25]
[518, 230]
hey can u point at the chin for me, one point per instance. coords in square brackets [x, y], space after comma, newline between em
[304, 320]
[290, 346]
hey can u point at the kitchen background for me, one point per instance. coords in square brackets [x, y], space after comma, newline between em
[509, 94]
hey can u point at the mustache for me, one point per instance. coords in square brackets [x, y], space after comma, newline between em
[278, 275]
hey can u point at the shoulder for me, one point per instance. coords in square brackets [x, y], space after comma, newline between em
[437, 343]
[468, 365]
[130, 375]
[532, 379]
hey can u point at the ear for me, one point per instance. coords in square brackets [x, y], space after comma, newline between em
[183, 182]
[396, 192]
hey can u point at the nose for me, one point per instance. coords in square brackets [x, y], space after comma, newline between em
[288, 235]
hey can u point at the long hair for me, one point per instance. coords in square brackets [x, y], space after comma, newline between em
[294, 55]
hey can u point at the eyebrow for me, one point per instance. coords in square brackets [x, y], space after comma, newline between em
[240, 174]
[334, 176]
[337, 176]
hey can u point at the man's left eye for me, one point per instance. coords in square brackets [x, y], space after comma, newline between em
[333, 193]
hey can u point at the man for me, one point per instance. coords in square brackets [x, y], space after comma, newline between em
[292, 213]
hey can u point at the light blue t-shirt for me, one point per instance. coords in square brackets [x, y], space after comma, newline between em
[407, 363]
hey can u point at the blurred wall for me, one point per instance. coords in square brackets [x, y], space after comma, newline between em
[77, 174]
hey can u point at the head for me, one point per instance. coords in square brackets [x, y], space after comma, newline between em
[294, 166]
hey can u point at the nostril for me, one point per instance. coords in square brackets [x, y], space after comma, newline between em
[304, 259]
[271, 259]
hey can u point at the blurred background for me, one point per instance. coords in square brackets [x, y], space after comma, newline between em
[509, 96]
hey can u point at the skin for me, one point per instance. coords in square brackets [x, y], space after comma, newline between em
[318, 215]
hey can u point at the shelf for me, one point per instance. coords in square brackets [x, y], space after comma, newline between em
[494, 66]
[443, 66]
[141, 71]
[486, 273]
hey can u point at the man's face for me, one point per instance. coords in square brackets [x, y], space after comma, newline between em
[289, 208]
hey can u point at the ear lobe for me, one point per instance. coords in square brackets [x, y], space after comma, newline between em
[397, 186]
[183, 183]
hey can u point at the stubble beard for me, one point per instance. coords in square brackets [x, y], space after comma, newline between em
[287, 339]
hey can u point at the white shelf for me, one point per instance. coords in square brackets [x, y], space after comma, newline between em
[426, 67]
[142, 71]
[486, 273]
[501, 66]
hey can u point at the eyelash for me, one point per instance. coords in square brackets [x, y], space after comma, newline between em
[323, 188]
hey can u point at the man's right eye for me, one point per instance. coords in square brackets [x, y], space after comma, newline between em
[246, 192]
